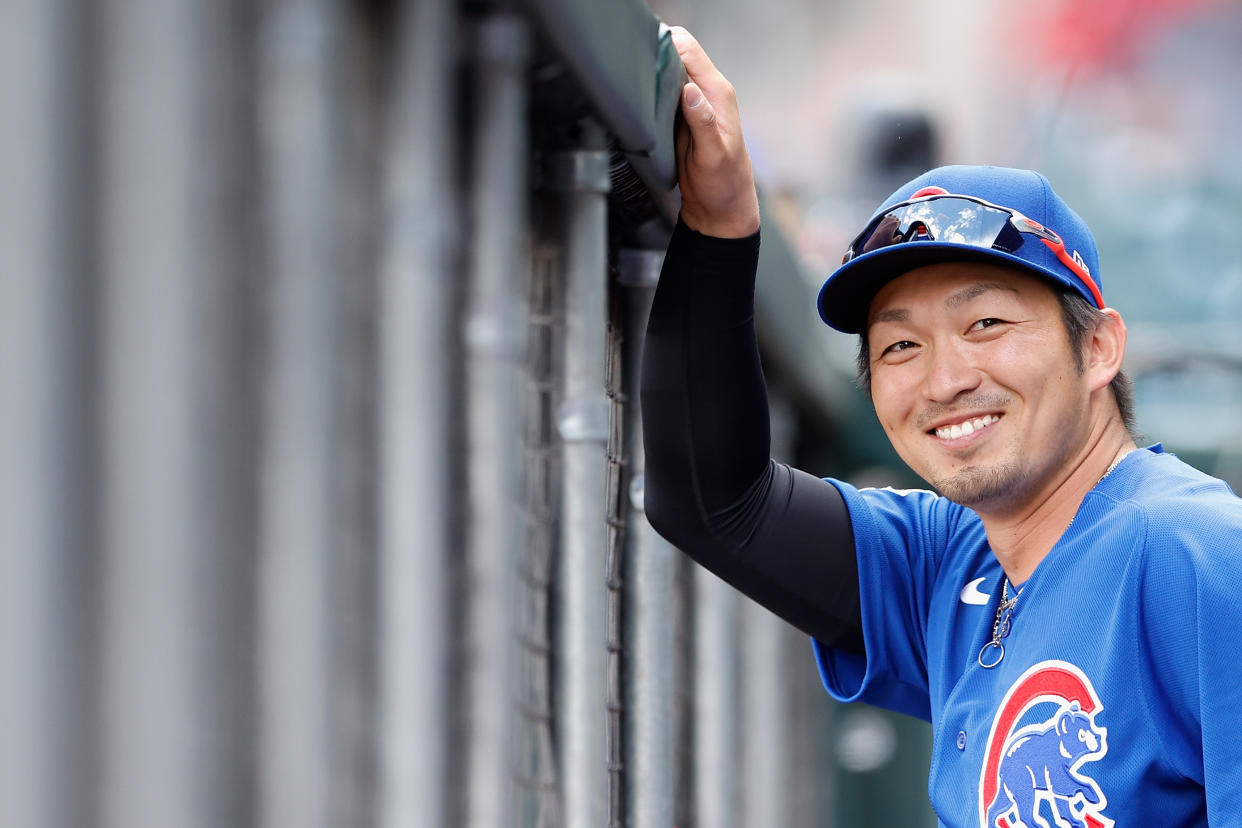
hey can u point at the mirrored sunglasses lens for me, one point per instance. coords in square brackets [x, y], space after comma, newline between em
[956, 220]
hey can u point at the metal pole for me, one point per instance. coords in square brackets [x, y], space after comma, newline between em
[40, 505]
[649, 565]
[494, 330]
[414, 451]
[764, 746]
[583, 424]
[765, 708]
[359, 204]
[169, 656]
[716, 712]
[298, 117]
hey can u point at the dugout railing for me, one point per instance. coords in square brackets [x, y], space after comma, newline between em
[321, 463]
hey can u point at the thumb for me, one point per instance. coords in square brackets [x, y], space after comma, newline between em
[698, 111]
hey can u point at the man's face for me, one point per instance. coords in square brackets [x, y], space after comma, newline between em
[974, 382]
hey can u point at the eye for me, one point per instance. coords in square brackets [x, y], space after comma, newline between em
[986, 322]
[898, 347]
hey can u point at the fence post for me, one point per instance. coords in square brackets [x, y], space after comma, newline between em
[716, 706]
[42, 421]
[174, 599]
[649, 562]
[300, 116]
[765, 676]
[494, 332]
[581, 177]
[415, 366]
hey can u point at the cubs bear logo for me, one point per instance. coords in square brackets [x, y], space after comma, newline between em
[1043, 733]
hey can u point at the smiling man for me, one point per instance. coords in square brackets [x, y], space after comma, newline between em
[983, 395]
[1062, 607]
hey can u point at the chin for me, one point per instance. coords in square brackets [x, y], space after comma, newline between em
[979, 485]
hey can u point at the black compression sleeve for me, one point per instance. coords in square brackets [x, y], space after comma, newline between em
[777, 534]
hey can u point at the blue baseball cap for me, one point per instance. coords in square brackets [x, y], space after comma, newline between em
[907, 242]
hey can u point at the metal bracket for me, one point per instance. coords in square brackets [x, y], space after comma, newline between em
[577, 171]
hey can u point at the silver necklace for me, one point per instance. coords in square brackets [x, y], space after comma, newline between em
[1106, 473]
[994, 650]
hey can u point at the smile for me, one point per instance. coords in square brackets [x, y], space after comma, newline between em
[953, 432]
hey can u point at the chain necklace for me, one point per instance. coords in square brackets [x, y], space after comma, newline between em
[993, 651]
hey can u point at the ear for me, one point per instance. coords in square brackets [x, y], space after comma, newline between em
[1106, 350]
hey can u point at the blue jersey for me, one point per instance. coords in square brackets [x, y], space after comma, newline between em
[1119, 697]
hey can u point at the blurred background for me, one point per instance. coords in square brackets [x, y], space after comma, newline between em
[1124, 105]
[320, 469]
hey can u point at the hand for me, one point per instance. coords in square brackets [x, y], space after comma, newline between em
[718, 195]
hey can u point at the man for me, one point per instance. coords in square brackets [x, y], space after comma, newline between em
[1063, 611]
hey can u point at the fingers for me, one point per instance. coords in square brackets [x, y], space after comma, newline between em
[717, 185]
[708, 101]
[696, 61]
[700, 67]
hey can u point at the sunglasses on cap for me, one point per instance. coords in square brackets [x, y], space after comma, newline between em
[936, 215]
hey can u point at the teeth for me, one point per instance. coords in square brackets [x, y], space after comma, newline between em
[967, 428]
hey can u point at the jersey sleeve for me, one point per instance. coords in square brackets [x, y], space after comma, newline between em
[900, 537]
[1190, 615]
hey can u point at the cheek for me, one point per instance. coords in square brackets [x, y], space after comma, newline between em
[888, 404]
[1052, 392]
[894, 388]
[1030, 365]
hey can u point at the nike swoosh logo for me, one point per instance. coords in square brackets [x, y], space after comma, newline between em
[971, 594]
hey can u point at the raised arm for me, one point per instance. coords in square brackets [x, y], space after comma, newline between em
[777, 534]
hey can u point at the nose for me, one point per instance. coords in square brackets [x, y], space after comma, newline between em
[950, 372]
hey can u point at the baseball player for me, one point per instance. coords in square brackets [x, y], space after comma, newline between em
[1063, 607]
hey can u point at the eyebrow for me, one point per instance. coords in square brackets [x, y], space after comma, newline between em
[890, 315]
[964, 295]
[954, 301]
